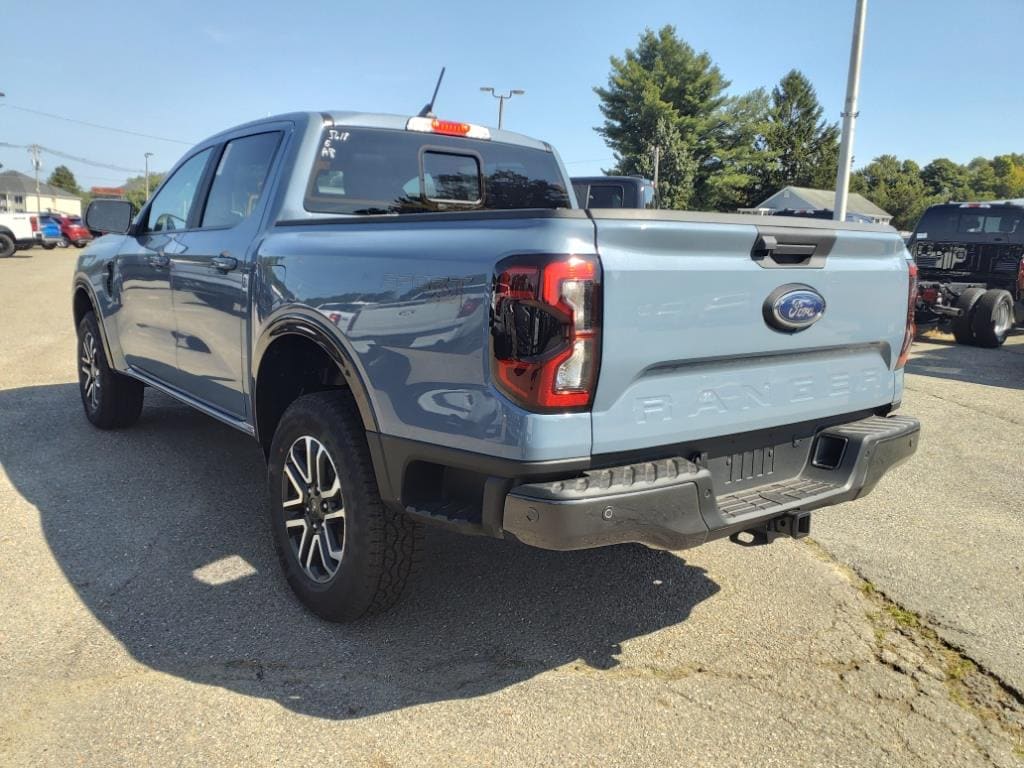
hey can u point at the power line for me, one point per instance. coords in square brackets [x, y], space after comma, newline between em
[96, 125]
[75, 158]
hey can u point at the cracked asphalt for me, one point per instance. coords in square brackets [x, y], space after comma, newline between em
[144, 621]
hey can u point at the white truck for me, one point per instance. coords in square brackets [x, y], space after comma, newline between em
[17, 230]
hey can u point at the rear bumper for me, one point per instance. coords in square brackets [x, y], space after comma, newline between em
[680, 502]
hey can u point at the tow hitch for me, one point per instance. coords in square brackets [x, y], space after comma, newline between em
[796, 525]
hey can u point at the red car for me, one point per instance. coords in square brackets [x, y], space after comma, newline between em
[73, 230]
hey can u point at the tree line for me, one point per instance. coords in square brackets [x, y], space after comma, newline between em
[720, 152]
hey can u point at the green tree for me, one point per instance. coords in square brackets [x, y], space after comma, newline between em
[63, 178]
[895, 186]
[675, 167]
[946, 180]
[135, 188]
[1009, 172]
[800, 147]
[664, 85]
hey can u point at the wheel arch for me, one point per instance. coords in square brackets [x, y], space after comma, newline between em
[299, 337]
[84, 301]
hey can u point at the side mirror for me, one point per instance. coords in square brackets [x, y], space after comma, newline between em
[109, 216]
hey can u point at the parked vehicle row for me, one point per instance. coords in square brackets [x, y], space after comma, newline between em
[419, 324]
[49, 230]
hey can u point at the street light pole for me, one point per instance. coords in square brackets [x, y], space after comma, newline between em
[147, 156]
[850, 113]
[501, 97]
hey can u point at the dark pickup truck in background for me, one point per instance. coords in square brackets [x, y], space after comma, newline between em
[970, 258]
[614, 192]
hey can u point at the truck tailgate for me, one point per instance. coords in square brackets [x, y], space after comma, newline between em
[687, 351]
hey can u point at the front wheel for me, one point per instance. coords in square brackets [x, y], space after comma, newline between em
[49, 246]
[993, 318]
[345, 554]
[64, 242]
[111, 399]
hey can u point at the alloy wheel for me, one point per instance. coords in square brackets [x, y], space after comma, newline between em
[314, 510]
[1002, 318]
[90, 371]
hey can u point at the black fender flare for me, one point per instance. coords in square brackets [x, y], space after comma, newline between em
[310, 325]
[82, 284]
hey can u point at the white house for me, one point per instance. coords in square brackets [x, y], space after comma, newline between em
[804, 199]
[18, 195]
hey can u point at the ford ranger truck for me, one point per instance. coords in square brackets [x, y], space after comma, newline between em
[418, 325]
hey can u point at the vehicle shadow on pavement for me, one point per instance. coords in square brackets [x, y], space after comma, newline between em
[945, 359]
[162, 531]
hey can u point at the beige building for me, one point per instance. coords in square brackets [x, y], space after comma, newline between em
[18, 195]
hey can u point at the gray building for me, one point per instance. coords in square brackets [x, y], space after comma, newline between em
[807, 199]
[18, 195]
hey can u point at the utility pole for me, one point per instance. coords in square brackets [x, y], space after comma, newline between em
[501, 97]
[850, 113]
[36, 164]
[657, 166]
[148, 155]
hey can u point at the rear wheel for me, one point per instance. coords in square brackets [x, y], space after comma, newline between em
[49, 246]
[111, 399]
[7, 246]
[344, 553]
[993, 318]
[64, 242]
[962, 326]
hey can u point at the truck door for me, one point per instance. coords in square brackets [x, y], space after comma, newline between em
[145, 319]
[210, 276]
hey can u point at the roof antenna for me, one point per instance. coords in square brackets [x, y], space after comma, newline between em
[428, 109]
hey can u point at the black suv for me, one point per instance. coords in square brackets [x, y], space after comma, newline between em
[970, 260]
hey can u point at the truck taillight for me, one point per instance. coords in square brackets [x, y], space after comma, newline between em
[1020, 279]
[908, 335]
[545, 330]
[35, 223]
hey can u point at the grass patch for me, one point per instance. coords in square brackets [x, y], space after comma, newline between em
[902, 616]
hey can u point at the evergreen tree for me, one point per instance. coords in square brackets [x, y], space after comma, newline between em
[665, 89]
[800, 147]
[63, 178]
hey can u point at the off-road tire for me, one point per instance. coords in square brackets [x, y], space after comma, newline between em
[962, 326]
[380, 546]
[993, 318]
[7, 246]
[118, 401]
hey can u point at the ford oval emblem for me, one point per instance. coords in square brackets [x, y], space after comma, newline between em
[794, 307]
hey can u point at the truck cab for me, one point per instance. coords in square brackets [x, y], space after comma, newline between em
[614, 192]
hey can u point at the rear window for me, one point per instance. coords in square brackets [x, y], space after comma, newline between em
[605, 196]
[989, 223]
[373, 171]
[949, 222]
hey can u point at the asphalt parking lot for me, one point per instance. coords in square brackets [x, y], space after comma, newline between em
[144, 621]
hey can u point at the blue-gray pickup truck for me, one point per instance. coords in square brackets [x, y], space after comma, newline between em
[419, 325]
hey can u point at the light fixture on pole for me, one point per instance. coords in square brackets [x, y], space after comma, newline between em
[501, 97]
[147, 156]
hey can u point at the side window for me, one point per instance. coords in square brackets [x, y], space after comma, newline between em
[238, 184]
[169, 209]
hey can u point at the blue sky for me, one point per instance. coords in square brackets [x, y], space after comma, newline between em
[941, 77]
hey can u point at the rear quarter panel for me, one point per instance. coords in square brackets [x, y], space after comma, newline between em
[410, 301]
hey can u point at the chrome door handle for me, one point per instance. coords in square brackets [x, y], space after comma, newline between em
[224, 263]
[159, 259]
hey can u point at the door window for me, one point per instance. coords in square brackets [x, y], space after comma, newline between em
[170, 208]
[240, 178]
[605, 196]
